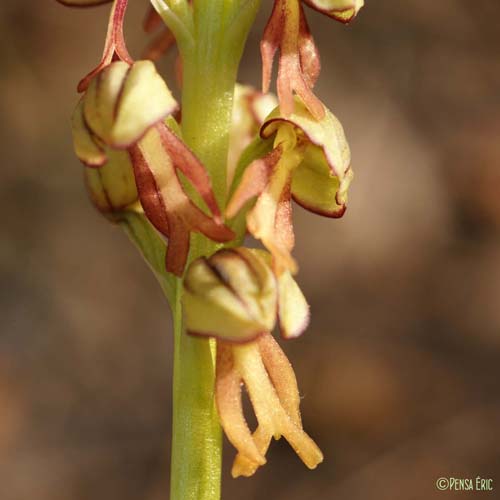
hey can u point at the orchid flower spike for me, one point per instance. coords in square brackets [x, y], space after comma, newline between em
[141, 174]
[235, 297]
[310, 163]
[124, 110]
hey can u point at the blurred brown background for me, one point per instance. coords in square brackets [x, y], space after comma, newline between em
[399, 370]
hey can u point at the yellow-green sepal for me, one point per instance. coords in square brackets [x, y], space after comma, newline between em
[293, 309]
[123, 101]
[112, 187]
[86, 146]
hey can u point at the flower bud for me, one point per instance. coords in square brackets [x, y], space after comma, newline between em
[232, 295]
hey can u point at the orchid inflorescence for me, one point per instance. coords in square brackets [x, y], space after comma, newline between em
[128, 132]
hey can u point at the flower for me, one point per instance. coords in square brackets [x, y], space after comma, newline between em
[235, 296]
[124, 108]
[310, 163]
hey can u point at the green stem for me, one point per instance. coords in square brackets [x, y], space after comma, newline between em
[209, 73]
[196, 439]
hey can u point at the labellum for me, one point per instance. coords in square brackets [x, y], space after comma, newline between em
[271, 384]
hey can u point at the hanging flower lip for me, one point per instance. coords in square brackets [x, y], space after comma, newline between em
[272, 386]
[298, 64]
[341, 10]
[114, 46]
[235, 296]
